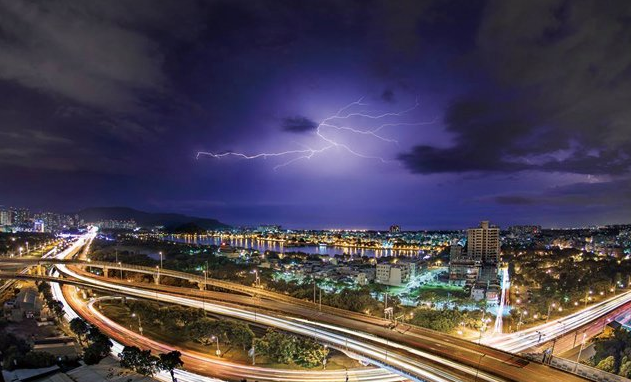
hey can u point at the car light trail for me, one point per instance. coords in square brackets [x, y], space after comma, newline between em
[377, 355]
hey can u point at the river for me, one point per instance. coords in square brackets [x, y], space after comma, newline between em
[264, 245]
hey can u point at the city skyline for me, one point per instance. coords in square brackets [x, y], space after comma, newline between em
[430, 115]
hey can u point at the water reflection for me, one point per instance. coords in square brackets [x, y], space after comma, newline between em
[266, 245]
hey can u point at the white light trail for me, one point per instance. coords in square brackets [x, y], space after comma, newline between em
[500, 310]
[332, 122]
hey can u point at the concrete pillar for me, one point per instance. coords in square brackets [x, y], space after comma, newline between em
[124, 300]
[105, 271]
[201, 285]
[156, 279]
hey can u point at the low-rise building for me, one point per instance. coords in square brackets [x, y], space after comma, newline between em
[463, 272]
[395, 274]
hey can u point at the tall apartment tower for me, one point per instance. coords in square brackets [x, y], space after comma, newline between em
[483, 243]
[5, 217]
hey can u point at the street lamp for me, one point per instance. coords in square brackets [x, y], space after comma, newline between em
[257, 280]
[139, 324]
[521, 316]
[477, 370]
[587, 298]
[578, 359]
[217, 352]
[553, 305]
[483, 328]
[160, 259]
[460, 331]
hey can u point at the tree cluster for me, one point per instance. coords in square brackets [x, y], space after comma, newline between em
[442, 320]
[192, 321]
[96, 344]
[17, 353]
[613, 354]
[356, 300]
[53, 305]
[288, 349]
[206, 331]
[143, 362]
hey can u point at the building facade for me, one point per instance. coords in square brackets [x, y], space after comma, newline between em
[483, 243]
[395, 274]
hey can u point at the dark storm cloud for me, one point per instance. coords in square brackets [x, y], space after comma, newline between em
[388, 95]
[559, 97]
[298, 124]
[514, 200]
[609, 193]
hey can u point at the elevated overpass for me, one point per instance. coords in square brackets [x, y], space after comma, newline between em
[416, 353]
[510, 343]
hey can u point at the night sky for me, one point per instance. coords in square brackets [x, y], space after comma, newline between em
[427, 114]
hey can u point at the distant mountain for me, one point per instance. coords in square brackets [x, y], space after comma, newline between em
[148, 219]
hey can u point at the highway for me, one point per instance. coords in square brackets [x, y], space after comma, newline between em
[412, 352]
[397, 357]
[200, 362]
[197, 362]
[536, 336]
[9, 283]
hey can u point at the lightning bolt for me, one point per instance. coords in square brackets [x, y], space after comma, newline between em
[330, 143]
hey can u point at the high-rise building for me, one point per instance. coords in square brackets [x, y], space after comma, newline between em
[20, 216]
[518, 230]
[5, 217]
[394, 229]
[39, 226]
[483, 243]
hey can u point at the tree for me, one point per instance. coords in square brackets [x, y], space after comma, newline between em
[57, 307]
[176, 317]
[445, 320]
[80, 328]
[608, 364]
[202, 331]
[241, 334]
[309, 353]
[170, 361]
[92, 355]
[140, 361]
[100, 346]
[277, 346]
[625, 367]
[36, 360]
